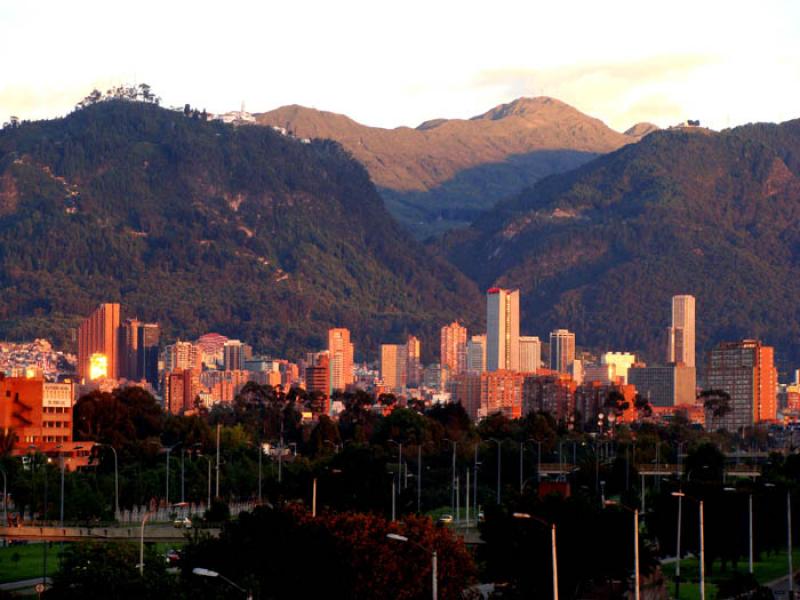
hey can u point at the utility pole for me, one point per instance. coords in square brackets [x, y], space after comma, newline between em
[219, 426]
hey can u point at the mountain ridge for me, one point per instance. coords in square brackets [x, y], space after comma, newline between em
[601, 249]
[449, 170]
[204, 226]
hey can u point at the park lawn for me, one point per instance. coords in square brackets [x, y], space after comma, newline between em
[30, 560]
[769, 568]
[25, 561]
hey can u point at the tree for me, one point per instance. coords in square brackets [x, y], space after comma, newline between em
[717, 404]
[110, 568]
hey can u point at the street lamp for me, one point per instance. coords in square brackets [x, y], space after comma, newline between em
[434, 582]
[680, 495]
[749, 526]
[499, 476]
[169, 450]
[396, 492]
[635, 512]
[552, 527]
[209, 573]
[453, 477]
[5, 497]
[116, 477]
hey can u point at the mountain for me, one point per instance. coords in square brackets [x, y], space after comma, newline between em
[601, 250]
[641, 129]
[202, 226]
[447, 171]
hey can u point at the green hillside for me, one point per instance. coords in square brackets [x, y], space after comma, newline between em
[601, 249]
[202, 226]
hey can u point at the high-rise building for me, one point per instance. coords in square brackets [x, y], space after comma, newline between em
[746, 371]
[476, 354]
[453, 348]
[393, 366]
[530, 354]
[490, 392]
[182, 355]
[413, 363]
[664, 385]
[234, 353]
[181, 388]
[147, 353]
[619, 362]
[129, 349]
[562, 350]
[340, 352]
[99, 334]
[502, 329]
[681, 335]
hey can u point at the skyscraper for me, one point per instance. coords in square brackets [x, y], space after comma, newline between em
[453, 348]
[341, 352]
[234, 353]
[562, 350]
[530, 354]
[147, 359]
[502, 329]
[746, 371]
[99, 334]
[393, 366]
[476, 354]
[129, 349]
[681, 335]
[413, 364]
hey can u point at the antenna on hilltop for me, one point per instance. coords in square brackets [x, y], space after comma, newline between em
[241, 112]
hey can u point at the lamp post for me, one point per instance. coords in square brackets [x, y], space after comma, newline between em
[419, 477]
[552, 527]
[749, 527]
[702, 543]
[499, 464]
[434, 566]
[453, 477]
[147, 515]
[169, 450]
[789, 542]
[209, 573]
[396, 489]
[116, 477]
[635, 512]
[208, 460]
[5, 496]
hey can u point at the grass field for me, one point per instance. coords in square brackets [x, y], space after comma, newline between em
[26, 561]
[768, 569]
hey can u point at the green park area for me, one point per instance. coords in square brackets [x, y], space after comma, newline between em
[768, 569]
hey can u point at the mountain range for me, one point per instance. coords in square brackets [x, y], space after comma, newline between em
[445, 172]
[204, 226]
[601, 249]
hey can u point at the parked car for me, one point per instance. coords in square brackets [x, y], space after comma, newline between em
[445, 520]
[183, 522]
[173, 557]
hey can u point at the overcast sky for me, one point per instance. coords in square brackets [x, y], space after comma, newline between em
[403, 62]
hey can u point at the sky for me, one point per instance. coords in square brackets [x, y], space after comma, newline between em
[400, 63]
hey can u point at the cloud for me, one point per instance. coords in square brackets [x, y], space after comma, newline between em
[621, 92]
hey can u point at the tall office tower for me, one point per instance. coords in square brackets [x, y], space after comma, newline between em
[234, 354]
[619, 362]
[681, 338]
[393, 366]
[502, 329]
[99, 334]
[530, 354]
[129, 349]
[148, 339]
[746, 371]
[453, 347]
[340, 351]
[182, 355]
[562, 350]
[413, 364]
[476, 354]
